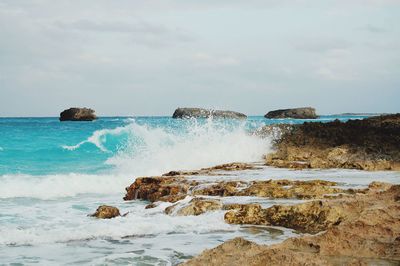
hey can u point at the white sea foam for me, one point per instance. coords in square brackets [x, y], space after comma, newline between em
[60, 185]
[152, 151]
[97, 138]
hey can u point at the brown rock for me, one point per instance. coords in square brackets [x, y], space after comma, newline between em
[78, 114]
[106, 212]
[369, 144]
[297, 113]
[367, 235]
[153, 189]
[205, 113]
[195, 207]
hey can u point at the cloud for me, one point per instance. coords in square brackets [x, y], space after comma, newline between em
[373, 29]
[205, 59]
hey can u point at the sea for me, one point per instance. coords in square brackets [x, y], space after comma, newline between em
[54, 174]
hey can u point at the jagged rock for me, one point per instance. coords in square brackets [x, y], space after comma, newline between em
[297, 113]
[368, 144]
[246, 214]
[272, 189]
[78, 114]
[196, 206]
[368, 234]
[214, 170]
[205, 113]
[169, 189]
[106, 212]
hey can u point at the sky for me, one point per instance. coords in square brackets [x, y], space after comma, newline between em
[132, 57]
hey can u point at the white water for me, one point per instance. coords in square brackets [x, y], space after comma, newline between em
[44, 218]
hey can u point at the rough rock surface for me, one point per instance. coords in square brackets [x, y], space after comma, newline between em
[368, 144]
[367, 234]
[159, 188]
[214, 170]
[78, 114]
[286, 189]
[297, 113]
[196, 206]
[106, 212]
[205, 113]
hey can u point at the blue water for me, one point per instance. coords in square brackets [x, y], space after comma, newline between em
[36, 146]
[53, 174]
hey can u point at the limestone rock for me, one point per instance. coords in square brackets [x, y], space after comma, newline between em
[368, 144]
[78, 114]
[205, 113]
[196, 206]
[106, 212]
[297, 113]
[159, 188]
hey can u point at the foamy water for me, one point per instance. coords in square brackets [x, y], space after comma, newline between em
[52, 175]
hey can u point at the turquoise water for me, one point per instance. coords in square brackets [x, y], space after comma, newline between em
[53, 174]
[38, 146]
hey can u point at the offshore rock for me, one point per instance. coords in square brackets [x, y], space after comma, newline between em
[368, 234]
[368, 144]
[78, 114]
[106, 212]
[196, 206]
[205, 113]
[170, 189]
[297, 113]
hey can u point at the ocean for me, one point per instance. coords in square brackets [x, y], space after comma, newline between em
[53, 174]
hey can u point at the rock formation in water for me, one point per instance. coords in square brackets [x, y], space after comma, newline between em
[106, 212]
[369, 144]
[196, 206]
[206, 113]
[360, 230]
[78, 114]
[296, 113]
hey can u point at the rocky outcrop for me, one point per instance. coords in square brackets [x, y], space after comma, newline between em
[368, 144]
[279, 189]
[171, 189]
[367, 233]
[78, 114]
[297, 113]
[206, 113]
[214, 170]
[195, 207]
[106, 212]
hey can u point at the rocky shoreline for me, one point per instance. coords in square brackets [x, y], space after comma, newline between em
[337, 225]
[369, 144]
[359, 230]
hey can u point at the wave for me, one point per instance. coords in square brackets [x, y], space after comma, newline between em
[195, 144]
[58, 186]
[144, 150]
[97, 138]
[184, 144]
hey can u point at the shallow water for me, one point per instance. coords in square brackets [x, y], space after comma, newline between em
[53, 174]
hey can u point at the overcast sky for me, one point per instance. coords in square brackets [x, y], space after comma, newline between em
[132, 57]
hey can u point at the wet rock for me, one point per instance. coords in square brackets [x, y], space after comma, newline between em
[246, 214]
[196, 206]
[106, 212]
[214, 170]
[297, 113]
[169, 189]
[368, 234]
[368, 144]
[78, 114]
[205, 113]
[222, 189]
[272, 189]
